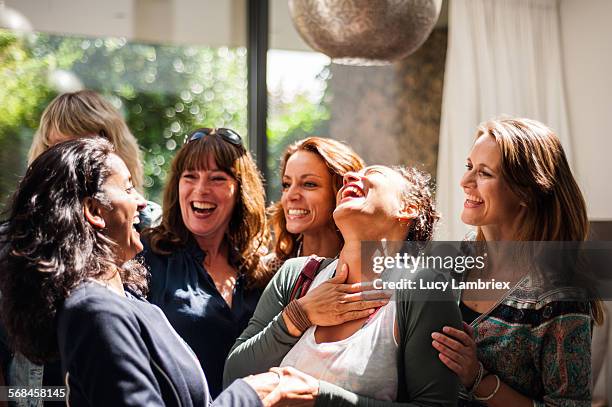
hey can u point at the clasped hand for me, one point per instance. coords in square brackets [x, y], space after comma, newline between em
[334, 302]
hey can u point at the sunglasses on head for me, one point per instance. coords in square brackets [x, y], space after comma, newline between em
[228, 135]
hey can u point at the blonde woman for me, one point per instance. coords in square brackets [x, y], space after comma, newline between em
[85, 113]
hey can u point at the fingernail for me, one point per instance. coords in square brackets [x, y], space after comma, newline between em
[446, 329]
[435, 335]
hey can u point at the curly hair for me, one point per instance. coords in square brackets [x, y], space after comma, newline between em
[248, 228]
[86, 113]
[339, 159]
[419, 193]
[50, 247]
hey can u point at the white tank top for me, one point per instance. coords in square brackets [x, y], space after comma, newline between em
[364, 363]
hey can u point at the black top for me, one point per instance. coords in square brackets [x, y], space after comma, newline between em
[467, 314]
[187, 294]
[121, 351]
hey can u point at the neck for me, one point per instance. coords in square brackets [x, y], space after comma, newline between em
[495, 233]
[214, 246]
[352, 255]
[113, 283]
[324, 243]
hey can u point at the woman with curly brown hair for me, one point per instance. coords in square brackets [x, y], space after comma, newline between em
[371, 359]
[204, 258]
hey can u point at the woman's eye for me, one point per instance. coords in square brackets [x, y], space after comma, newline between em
[130, 189]
[189, 176]
[285, 185]
[309, 184]
[468, 166]
[484, 174]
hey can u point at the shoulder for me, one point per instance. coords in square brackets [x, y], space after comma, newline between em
[289, 272]
[91, 302]
[271, 262]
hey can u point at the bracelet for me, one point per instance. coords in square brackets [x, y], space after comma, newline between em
[478, 379]
[490, 396]
[297, 316]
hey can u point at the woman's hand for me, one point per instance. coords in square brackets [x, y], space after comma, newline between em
[295, 389]
[263, 383]
[458, 351]
[333, 302]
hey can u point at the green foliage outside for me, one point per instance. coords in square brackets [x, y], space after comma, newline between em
[290, 122]
[162, 91]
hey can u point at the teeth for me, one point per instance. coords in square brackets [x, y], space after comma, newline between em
[352, 191]
[298, 212]
[473, 198]
[203, 205]
[136, 221]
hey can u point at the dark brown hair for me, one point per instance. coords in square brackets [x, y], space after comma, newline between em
[339, 159]
[248, 228]
[419, 193]
[49, 246]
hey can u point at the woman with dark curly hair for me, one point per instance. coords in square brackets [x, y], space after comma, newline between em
[370, 360]
[204, 258]
[71, 290]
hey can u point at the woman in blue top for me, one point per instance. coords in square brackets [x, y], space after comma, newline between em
[204, 258]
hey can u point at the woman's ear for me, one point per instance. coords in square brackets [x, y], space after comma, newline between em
[93, 213]
[407, 214]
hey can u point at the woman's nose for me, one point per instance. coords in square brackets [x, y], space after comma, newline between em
[293, 192]
[350, 177]
[141, 202]
[467, 180]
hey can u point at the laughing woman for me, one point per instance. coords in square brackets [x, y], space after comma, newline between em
[302, 222]
[204, 258]
[70, 289]
[379, 358]
[528, 346]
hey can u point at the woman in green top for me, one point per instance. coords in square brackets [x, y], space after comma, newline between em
[376, 204]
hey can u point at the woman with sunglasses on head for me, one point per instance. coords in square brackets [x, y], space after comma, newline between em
[204, 258]
[384, 357]
[529, 346]
[71, 291]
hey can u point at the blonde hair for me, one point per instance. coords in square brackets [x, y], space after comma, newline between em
[86, 113]
[535, 167]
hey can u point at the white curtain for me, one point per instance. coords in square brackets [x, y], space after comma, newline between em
[503, 58]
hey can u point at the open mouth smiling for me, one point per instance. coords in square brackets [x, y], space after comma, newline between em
[351, 191]
[203, 208]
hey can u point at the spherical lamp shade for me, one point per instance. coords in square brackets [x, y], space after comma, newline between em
[365, 32]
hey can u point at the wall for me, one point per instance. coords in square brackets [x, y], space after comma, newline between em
[391, 114]
[586, 39]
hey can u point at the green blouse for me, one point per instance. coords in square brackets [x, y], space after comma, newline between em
[423, 379]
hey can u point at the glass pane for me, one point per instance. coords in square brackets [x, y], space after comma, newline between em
[298, 92]
[197, 78]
